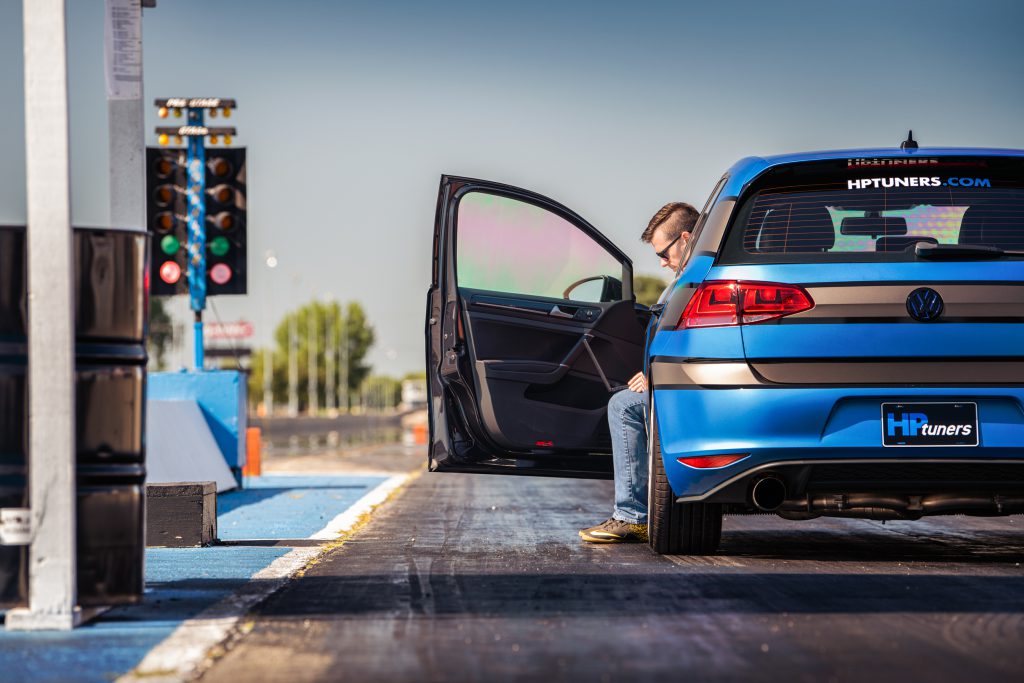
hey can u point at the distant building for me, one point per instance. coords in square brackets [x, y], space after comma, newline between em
[414, 394]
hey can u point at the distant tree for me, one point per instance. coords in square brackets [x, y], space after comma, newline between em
[354, 336]
[647, 288]
[160, 331]
[381, 392]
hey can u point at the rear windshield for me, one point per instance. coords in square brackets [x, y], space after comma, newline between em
[878, 209]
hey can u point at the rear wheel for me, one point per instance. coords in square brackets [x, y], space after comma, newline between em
[677, 528]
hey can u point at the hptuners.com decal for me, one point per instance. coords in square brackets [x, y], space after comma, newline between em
[916, 181]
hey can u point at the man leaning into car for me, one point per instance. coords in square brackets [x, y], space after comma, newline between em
[668, 234]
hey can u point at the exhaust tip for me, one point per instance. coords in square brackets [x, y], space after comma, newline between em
[768, 493]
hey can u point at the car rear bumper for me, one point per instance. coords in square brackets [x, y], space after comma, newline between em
[822, 439]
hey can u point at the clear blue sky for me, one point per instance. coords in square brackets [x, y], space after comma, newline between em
[351, 111]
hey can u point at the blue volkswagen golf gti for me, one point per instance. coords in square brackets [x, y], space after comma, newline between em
[845, 338]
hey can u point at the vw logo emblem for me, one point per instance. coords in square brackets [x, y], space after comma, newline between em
[925, 304]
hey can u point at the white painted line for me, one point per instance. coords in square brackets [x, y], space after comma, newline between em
[347, 519]
[703, 561]
[183, 654]
[302, 474]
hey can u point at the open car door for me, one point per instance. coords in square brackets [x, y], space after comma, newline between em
[531, 325]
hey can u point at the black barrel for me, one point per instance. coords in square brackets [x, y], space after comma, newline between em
[110, 381]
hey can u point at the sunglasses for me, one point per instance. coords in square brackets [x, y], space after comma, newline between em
[663, 254]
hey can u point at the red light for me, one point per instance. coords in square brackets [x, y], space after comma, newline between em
[544, 444]
[764, 301]
[220, 273]
[714, 304]
[170, 272]
[703, 462]
[718, 304]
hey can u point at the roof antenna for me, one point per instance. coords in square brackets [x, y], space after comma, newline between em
[910, 142]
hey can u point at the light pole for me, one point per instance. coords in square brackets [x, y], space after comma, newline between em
[311, 345]
[343, 379]
[293, 361]
[268, 353]
[330, 348]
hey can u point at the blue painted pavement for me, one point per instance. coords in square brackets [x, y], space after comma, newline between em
[181, 582]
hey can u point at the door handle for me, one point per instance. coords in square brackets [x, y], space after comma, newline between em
[559, 313]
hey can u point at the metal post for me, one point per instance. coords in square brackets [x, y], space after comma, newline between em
[125, 114]
[52, 590]
[293, 365]
[196, 193]
[330, 348]
[312, 383]
[268, 352]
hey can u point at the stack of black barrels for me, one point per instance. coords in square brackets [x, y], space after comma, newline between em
[110, 378]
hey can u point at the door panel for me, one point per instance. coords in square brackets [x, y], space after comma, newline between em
[536, 379]
[538, 327]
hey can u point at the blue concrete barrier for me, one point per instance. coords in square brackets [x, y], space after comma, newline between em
[221, 395]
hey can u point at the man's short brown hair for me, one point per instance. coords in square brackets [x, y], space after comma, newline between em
[675, 217]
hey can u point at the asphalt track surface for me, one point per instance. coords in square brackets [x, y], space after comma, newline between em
[483, 578]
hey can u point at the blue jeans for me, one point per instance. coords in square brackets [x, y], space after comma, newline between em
[628, 425]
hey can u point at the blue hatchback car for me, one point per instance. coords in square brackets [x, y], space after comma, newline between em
[844, 338]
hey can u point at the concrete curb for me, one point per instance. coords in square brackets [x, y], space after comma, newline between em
[184, 654]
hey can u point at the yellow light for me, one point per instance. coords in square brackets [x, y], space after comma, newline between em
[227, 113]
[213, 113]
[177, 139]
[162, 112]
[213, 139]
[227, 139]
[177, 113]
[163, 139]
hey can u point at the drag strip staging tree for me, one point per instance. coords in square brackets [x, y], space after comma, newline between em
[354, 336]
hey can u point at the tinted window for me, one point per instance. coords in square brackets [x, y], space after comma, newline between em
[875, 210]
[507, 245]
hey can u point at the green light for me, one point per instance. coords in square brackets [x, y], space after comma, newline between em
[219, 246]
[170, 244]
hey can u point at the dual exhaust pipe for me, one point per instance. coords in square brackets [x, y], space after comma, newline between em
[770, 494]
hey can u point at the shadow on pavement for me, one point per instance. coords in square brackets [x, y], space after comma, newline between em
[540, 595]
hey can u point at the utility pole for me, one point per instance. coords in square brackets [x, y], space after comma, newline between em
[330, 348]
[293, 365]
[311, 344]
[52, 582]
[343, 380]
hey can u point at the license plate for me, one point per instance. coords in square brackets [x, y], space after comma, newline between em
[929, 424]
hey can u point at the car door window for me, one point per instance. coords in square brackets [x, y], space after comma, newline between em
[508, 245]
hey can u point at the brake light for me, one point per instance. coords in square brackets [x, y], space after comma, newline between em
[723, 303]
[703, 462]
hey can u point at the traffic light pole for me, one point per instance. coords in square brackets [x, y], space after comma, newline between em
[196, 194]
[195, 131]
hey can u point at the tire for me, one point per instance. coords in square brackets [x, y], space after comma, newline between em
[677, 528]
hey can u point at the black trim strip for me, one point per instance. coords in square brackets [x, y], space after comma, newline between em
[746, 474]
[905, 320]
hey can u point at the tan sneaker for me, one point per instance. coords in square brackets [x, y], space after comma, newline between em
[614, 531]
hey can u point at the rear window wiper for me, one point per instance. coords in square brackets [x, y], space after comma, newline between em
[961, 251]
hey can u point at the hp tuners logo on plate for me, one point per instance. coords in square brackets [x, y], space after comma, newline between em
[930, 424]
[912, 424]
[916, 181]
